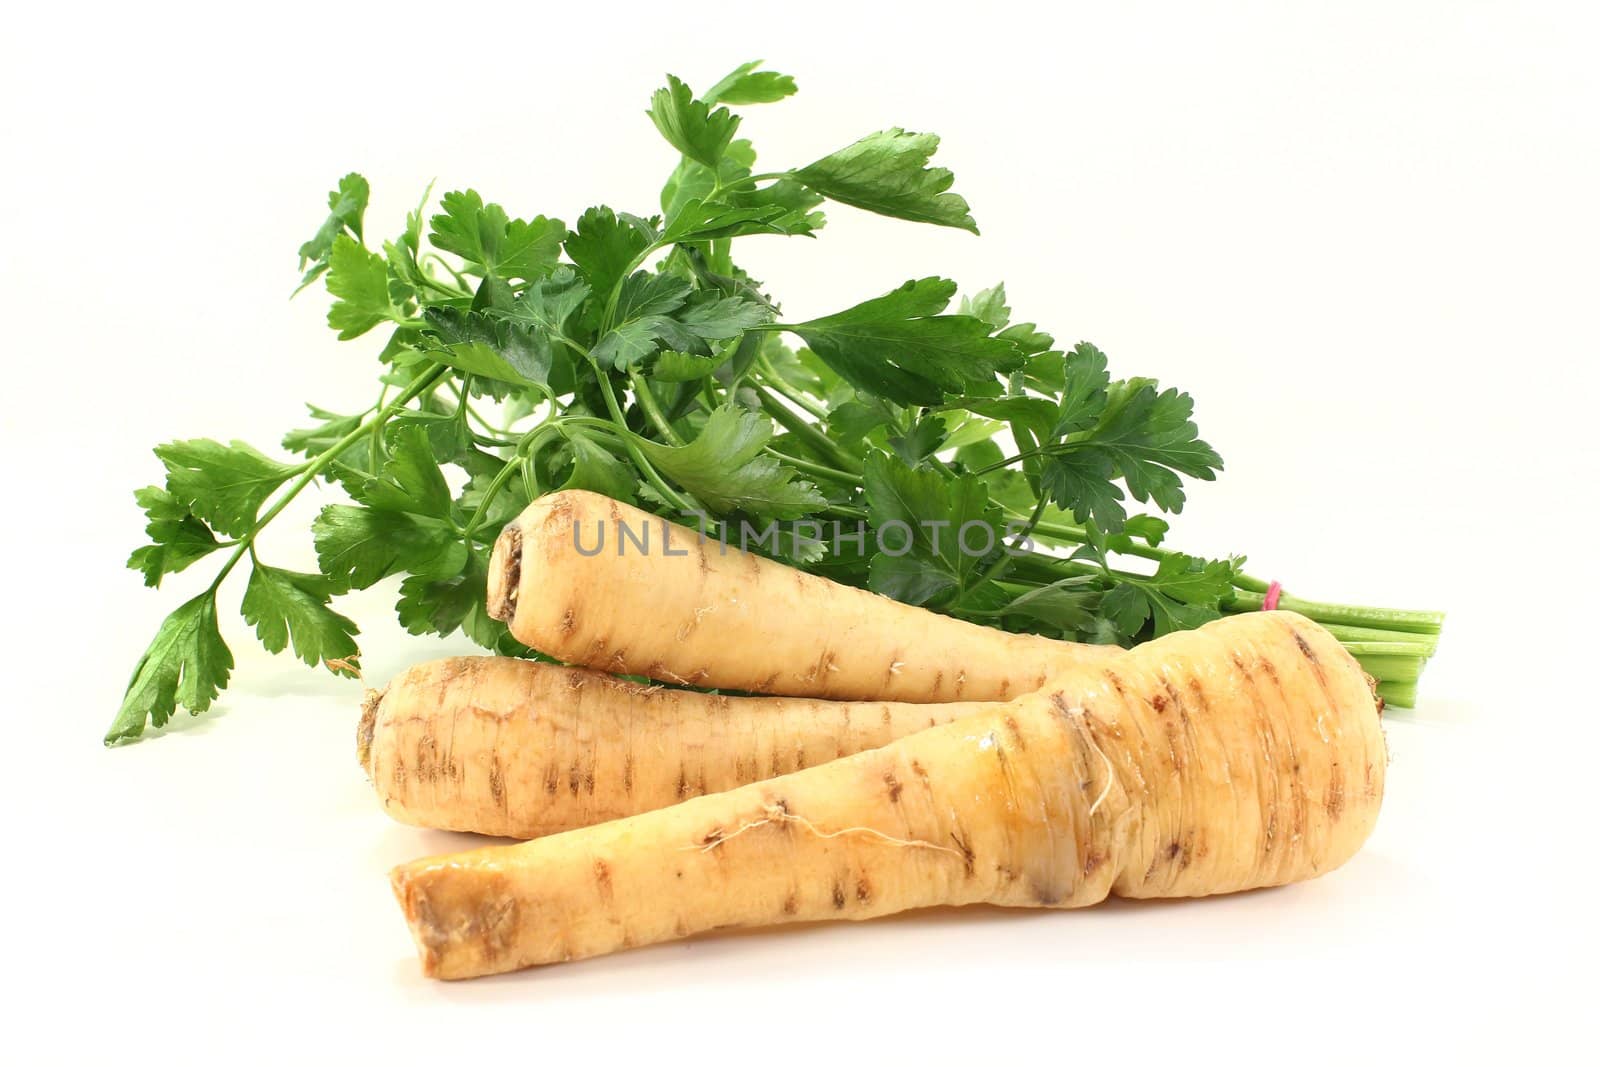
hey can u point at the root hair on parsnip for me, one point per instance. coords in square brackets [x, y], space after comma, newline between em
[777, 813]
[1081, 717]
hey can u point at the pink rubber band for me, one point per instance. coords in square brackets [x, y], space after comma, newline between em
[1270, 601]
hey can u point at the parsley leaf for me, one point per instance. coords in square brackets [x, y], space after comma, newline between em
[899, 347]
[1152, 439]
[924, 438]
[1068, 606]
[1140, 435]
[888, 173]
[407, 523]
[1084, 381]
[360, 279]
[697, 220]
[990, 306]
[549, 302]
[179, 538]
[630, 343]
[490, 346]
[603, 247]
[315, 440]
[223, 485]
[410, 482]
[361, 546]
[186, 665]
[287, 606]
[1183, 593]
[645, 294]
[402, 252]
[448, 439]
[1148, 528]
[643, 320]
[727, 469]
[747, 85]
[443, 605]
[696, 181]
[494, 244]
[1032, 418]
[720, 318]
[346, 206]
[597, 470]
[690, 125]
[933, 531]
[674, 366]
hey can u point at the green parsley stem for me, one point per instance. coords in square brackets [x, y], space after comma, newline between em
[1418, 644]
[814, 438]
[616, 288]
[1077, 535]
[427, 380]
[1056, 448]
[461, 279]
[639, 459]
[501, 476]
[751, 179]
[816, 470]
[652, 410]
[441, 288]
[795, 396]
[1001, 561]
[722, 255]
[1250, 591]
[1416, 622]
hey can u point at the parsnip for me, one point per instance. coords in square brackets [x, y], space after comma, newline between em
[687, 610]
[516, 748]
[1246, 753]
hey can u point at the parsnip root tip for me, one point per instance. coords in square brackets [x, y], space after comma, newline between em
[368, 725]
[505, 572]
[401, 882]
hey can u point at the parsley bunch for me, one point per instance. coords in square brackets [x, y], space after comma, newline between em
[630, 355]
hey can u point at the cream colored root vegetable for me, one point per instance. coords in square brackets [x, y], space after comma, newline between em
[516, 748]
[685, 609]
[1246, 753]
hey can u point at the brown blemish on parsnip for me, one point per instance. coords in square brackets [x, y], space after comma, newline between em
[894, 786]
[1335, 801]
[1016, 734]
[968, 857]
[497, 783]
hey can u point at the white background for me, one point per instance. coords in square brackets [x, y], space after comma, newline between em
[1363, 236]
